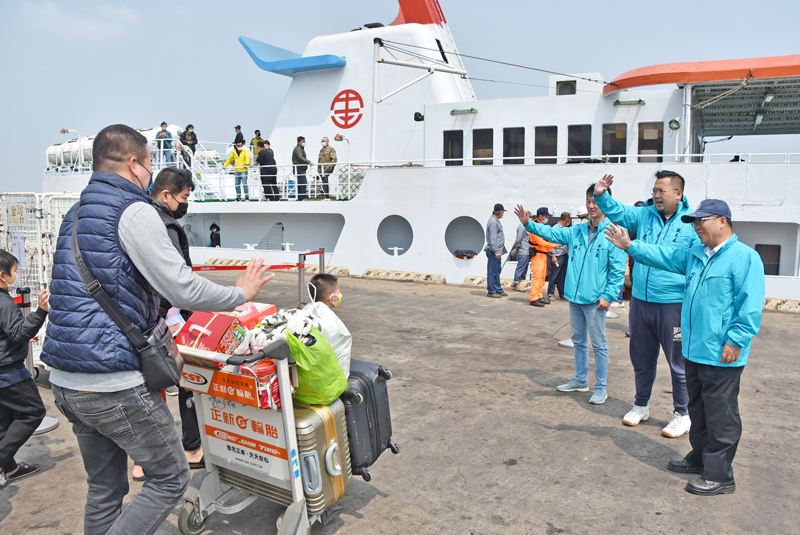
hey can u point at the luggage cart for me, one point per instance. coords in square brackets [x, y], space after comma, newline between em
[246, 448]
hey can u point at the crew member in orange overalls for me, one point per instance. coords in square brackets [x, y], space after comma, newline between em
[539, 250]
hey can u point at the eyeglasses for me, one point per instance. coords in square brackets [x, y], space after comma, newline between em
[699, 222]
[662, 191]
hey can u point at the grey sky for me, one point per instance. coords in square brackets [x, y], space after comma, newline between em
[85, 64]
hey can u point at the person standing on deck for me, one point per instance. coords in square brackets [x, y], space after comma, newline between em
[327, 154]
[301, 163]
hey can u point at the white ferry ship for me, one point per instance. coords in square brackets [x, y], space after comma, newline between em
[422, 160]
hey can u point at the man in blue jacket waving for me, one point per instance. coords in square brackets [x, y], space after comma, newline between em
[595, 274]
[722, 302]
[655, 318]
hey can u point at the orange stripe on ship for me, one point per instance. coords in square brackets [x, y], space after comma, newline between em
[239, 440]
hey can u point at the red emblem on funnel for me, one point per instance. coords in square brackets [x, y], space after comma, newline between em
[346, 109]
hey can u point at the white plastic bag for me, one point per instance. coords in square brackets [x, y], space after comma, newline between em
[335, 332]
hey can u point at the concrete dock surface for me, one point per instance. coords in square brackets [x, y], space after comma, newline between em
[488, 445]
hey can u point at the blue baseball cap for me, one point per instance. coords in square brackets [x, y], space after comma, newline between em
[499, 208]
[707, 208]
[543, 211]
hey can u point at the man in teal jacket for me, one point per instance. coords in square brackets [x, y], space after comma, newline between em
[595, 274]
[655, 318]
[722, 302]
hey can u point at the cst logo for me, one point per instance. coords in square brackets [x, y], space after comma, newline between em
[194, 378]
[346, 108]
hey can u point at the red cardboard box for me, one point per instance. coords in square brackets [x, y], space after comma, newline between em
[212, 331]
[250, 314]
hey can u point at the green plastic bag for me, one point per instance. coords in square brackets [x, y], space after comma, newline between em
[318, 370]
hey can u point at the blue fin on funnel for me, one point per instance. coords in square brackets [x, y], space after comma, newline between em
[281, 61]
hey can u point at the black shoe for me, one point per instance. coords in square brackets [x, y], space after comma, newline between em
[503, 294]
[537, 303]
[628, 334]
[23, 471]
[496, 296]
[545, 300]
[683, 467]
[703, 487]
[247, 199]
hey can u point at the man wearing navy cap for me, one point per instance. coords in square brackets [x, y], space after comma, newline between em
[495, 248]
[722, 302]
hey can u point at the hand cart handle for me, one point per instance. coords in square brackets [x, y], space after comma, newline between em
[277, 350]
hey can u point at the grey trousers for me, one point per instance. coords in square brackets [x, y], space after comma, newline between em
[111, 427]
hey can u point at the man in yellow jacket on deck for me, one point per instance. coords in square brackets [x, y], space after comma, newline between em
[240, 157]
[539, 249]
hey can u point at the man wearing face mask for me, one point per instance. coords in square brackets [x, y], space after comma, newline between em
[95, 371]
[189, 141]
[327, 154]
[164, 144]
[301, 163]
[170, 195]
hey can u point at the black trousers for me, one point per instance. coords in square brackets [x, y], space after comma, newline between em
[558, 275]
[269, 181]
[716, 424]
[21, 412]
[191, 430]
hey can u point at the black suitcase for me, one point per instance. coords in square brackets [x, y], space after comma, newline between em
[369, 424]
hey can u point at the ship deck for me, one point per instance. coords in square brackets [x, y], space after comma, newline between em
[488, 445]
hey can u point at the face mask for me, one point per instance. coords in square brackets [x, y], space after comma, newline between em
[324, 144]
[149, 178]
[334, 302]
[191, 130]
[183, 207]
[302, 144]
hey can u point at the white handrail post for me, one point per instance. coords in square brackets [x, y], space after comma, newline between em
[377, 41]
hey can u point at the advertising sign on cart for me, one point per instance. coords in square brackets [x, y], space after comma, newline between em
[246, 436]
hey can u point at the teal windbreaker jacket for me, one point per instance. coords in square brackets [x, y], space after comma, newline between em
[723, 297]
[596, 269]
[652, 284]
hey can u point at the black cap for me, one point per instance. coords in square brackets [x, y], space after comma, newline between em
[543, 211]
[707, 208]
[237, 126]
[499, 208]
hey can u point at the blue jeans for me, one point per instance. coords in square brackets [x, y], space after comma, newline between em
[493, 273]
[588, 319]
[110, 427]
[522, 268]
[241, 178]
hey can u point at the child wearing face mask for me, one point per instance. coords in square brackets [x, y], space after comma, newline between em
[324, 290]
[21, 407]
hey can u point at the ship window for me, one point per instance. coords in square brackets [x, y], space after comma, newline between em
[579, 140]
[651, 141]
[546, 144]
[566, 88]
[771, 256]
[514, 146]
[453, 147]
[615, 139]
[482, 146]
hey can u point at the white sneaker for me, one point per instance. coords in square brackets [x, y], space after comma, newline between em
[636, 415]
[611, 315]
[3, 478]
[615, 304]
[678, 427]
[566, 343]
